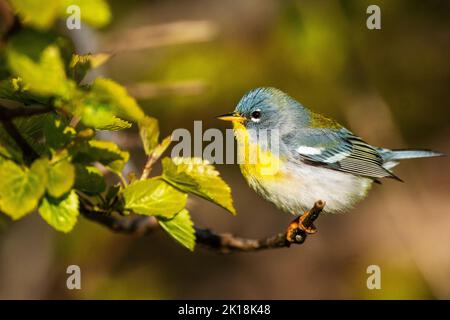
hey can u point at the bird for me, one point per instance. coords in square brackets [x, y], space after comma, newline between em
[316, 158]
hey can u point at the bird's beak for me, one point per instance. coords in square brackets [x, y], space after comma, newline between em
[233, 117]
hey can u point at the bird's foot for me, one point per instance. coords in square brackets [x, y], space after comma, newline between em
[302, 226]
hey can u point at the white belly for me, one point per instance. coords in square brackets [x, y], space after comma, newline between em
[302, 185]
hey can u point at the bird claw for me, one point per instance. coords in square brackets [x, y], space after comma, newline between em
[302, 226]
[310, 229]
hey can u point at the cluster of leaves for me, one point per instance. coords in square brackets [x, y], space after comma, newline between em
[66, 173]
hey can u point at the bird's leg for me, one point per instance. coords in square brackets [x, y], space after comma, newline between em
[303, 225]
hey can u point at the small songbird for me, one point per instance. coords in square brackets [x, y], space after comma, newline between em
[316, 158]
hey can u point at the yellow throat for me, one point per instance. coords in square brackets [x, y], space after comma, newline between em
[254, 161]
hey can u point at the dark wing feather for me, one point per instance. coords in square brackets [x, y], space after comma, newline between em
[337, 149]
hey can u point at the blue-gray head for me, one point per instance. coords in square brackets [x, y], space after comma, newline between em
[268, 108]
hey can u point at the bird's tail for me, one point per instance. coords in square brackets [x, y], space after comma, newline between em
[391, 157]
[401, 154]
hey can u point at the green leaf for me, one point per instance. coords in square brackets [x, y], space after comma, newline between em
[36, 13]
[35, 58]
[200, 178]
[149, 132]
[105, 106]
[30, 129]
[61, 177]
[109, 154]
[4, 153]
[81, 64]
[21, 188]
[106, 152]
[15, 89]
[57, 131]
[181, 228]
[101, 118]
[41, 69]
[89, 179]
[8, 148]
[154, 197]
[111, 94]
[61, 214]
[114, 124]
[12, 89]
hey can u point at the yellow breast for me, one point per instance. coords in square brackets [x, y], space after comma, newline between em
[255, 162]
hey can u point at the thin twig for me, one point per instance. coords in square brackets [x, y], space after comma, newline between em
[31, 110]
[222, 242]
[148, 166]
[138, 225]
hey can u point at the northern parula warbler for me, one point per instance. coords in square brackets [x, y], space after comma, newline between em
[317, 158]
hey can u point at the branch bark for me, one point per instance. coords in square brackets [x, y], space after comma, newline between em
[7, 114]
[296, 233]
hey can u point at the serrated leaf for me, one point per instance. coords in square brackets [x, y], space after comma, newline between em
[30, 129]
[149, 132]
[31, 126]
[115, 124]
[154, 197]
[81, 64]
[45, 74]
[57, 131]
[181, 228]
[110, 155]
[100, 117]
[115, 97]
[89, 179]
[106, 152]
[21, 188]
[200, 178]
[60, 213]
[106, 105]
[61, 177]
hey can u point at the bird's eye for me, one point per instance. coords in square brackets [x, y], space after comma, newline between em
[256, 115]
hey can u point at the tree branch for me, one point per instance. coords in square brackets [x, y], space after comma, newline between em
[31, 110]
[139, 225]
[296, 233]
[148, 166]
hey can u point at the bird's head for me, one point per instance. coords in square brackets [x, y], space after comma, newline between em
[266, 109]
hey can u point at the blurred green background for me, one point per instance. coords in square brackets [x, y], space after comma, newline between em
[191, 60]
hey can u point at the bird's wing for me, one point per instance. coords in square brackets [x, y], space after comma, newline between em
[336, 149]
